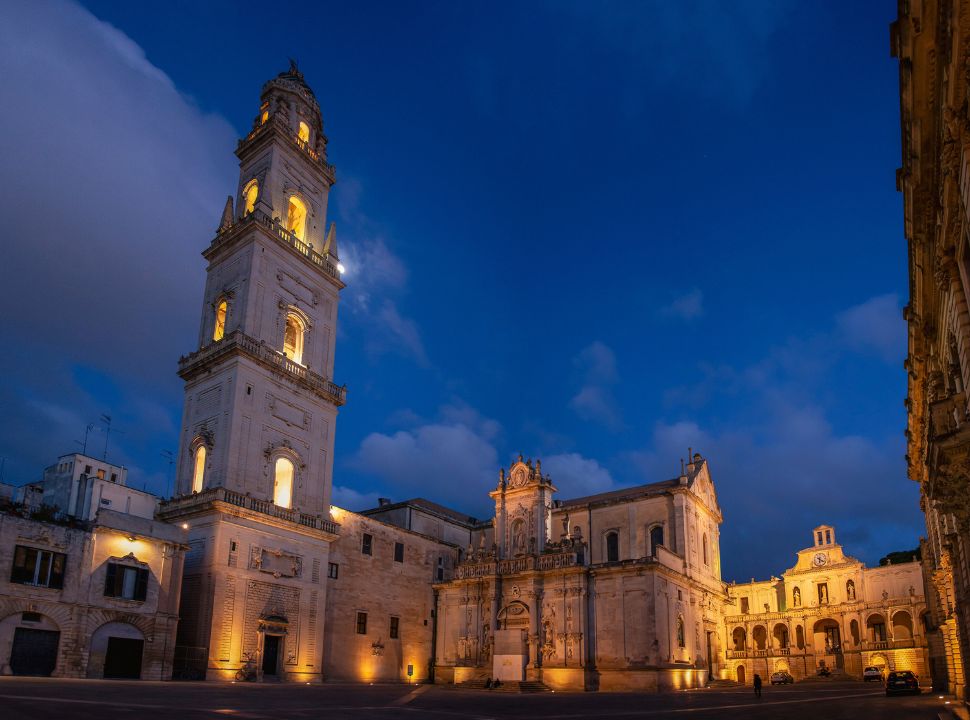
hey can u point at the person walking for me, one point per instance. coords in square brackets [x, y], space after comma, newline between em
[757, 685]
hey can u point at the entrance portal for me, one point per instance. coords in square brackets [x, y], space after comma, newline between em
[34, 652]
[271, 654]
[123, 658]
[741, 674]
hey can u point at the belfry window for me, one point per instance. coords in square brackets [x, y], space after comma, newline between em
[296, 218]
[264, 114]
[293, 338]
[219, 331]
[198, 469]
[283, 482]
[250, 193]
[303, 133]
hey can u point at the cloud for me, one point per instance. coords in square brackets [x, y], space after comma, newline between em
[876, 326]
[595, 401]
[376, 278]
[350, 499]
[684, 307]
[451, 460]
[98, 259]
[576, 476]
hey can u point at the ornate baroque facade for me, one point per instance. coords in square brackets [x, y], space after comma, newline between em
[830, 611]
[931, 39]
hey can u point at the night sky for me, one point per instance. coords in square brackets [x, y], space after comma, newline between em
[594, 233]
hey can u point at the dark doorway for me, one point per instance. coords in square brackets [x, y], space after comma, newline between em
[271, 654]
[34, 652]
[123, 658]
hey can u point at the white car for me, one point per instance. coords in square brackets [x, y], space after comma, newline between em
[872, 673]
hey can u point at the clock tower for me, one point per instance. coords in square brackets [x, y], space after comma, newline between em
[256, 451]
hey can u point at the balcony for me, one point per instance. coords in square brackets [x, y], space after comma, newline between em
[283, 130]
[275, 229]
[238, 342]
[185, 504]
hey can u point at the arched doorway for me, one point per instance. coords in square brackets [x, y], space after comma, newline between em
[876, 628]
[760, 637]
[780, 636]
[116, 651]
[273, 630]
[738, 639]
[29, 643]
[511, 654]
[902, 626]
[740, 672]
[827, 640]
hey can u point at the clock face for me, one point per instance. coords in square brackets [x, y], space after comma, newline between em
[820, 559]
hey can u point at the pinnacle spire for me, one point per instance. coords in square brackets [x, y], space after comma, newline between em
[226, 215]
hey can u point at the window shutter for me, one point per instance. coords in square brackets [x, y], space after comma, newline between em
[19, 572]
[57, 571]
[141, 584]
[111, 581]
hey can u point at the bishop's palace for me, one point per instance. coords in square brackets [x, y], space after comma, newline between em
[249, 572]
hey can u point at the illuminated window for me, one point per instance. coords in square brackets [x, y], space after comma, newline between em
[250, 192]
[304, 132]
[198, 472]
[296, 218]
[283, 483]
[219, 331]
[293, 338]
[264, 117]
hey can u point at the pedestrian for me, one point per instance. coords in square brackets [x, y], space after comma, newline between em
[757, 685]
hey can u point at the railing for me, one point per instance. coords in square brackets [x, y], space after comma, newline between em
[264, 507]
[759, 653]
[281, 235]
[735, 654]
[888, 644]
[287, 132]
[511, 566]
[237, 339]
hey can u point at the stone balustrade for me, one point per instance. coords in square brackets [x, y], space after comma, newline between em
[239, 341]
[512, 566]
[186, 503]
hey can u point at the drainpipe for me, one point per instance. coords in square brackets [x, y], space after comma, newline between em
[434, 639]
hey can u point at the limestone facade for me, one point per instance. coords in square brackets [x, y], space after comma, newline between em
[617, 591]
[829, 611]
[931, 39]
[89, 599]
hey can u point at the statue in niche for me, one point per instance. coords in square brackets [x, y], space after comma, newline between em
[518, 537]
[796, 597]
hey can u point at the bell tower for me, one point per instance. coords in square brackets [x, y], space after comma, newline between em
[254, 472]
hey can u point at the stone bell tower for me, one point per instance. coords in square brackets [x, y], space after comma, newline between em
[523, 509]
[256, 449]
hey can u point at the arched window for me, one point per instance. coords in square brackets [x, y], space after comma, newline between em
[296, 218]
[304, 132]
[250, 193]
[283, 482]
[704, 548]
[681, 640]
[219, 331]
[198, 469]
[293, 338]
[263, 113]
[612, 547]
[656, 538]
[850, 590]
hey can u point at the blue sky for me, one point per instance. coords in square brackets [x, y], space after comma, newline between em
[595, 233]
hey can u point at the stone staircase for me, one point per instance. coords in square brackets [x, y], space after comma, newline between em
[718, 683]
[526, 686]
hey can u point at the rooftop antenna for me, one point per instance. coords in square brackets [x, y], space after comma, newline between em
[87, 431]
[170, 457]
[106, 419]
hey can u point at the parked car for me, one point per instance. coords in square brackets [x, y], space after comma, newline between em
[902, 681]
[872, 673]
[781, 678]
